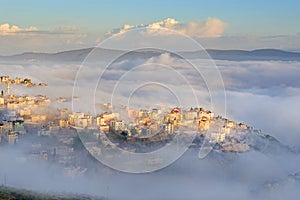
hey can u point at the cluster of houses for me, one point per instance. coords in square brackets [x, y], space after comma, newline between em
[15, 110]
[19, 81]
[231, 135]
[142, 123]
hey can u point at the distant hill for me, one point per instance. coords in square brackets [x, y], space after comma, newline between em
[18, 194]
[231, 55]
[259, 54]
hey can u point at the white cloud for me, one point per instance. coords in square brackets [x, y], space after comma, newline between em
[68, 28]
[7, 29]
[17, 39]
[211, 27]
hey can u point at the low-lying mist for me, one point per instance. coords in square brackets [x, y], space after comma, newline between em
[251, 175]
[263, 94]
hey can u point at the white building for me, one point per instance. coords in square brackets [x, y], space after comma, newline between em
[74, 117]
[146, 131]
[25, 111]
[205, 114]
[217, 137]
[1, 101]
[169, 127]
[12, 137]
[191, 115]
[117, 125]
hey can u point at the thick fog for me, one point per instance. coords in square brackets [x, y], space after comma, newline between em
[262, 94]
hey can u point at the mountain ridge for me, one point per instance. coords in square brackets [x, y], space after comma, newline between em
[216, 54]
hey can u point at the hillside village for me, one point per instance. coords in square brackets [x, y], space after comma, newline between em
[31, 115]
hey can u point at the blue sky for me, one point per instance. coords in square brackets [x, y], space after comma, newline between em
[243, 18]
